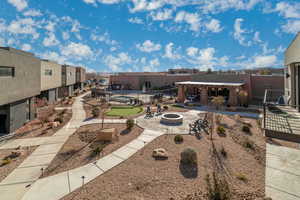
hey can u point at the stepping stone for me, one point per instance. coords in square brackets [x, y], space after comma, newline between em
[49, 188]
[23, 175]
[124, 152]
[136, 144]
[14, 191]
[108, 162]
[38, 160]
[89, 171]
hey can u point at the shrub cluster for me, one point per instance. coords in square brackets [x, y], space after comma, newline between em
[178, 139]
[221, 130]
[129, 124]
[188, 156]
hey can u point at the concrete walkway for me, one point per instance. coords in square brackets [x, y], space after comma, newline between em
[15, 185]
[282, 173]
[59, 185]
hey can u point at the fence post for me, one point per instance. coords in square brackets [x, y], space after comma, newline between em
[264, 106]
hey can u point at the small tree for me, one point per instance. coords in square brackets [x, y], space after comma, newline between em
[96, 112]
[129, 124]
[218, 101]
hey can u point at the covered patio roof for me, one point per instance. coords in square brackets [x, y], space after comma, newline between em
[220, 84]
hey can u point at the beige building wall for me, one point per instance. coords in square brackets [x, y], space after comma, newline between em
[68, 75]
[50, 75]
[26, 81]
[292, 54]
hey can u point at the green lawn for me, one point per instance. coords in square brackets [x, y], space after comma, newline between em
[124, 111]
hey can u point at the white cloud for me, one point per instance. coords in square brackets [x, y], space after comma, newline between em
[51, 55]
[26, 47]
[103, 38]
[32, 13]
[256, 37]
[19, 4]
[23, 26]
[77, 50]
[90, 1]
[192, 51]
[148, 46]
[50, 26]
[292, 26]
[65, 35]
[50, 40]
[115, 62]
[141, 5]
[239, 32]
[162, 15]
[193, 19]
[265, 61]
[288, 10]
[170, 53]
[136, 20]
[205, 58]
[214, 26]
[152, 65]
[216, 6]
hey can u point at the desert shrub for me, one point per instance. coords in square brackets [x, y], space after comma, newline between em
[188, 156]
[221, 130]
[165, 107]
[129, 124]
[248, 144]
[218, 101]
[218, 189]
[96, 151]
[59, 119]
[223, 152]
[178, 139]
[5, 161]
[242, 177]
[96, 112]
[246, 129]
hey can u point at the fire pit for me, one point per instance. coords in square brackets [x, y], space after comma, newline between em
[171, 119]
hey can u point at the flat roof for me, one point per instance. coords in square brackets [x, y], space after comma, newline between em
[209, 83]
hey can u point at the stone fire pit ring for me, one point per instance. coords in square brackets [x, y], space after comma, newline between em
[171, 119]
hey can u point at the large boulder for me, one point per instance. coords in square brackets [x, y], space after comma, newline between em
[160, 153]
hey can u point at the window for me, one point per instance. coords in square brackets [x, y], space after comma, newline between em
[7, 71]
[48, 72]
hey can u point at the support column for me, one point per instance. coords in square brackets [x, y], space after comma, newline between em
[204, 96]
[232, 97]
[181, 94]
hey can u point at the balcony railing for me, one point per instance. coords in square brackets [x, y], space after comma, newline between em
[281, 120]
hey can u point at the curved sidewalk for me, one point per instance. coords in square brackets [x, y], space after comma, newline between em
[15, 185]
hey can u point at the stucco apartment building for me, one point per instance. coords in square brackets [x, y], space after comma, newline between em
[255, 85]
[24, 78]
[292, 72]
[68, 79]
[150, 80]
[51, 80]
[20, 82]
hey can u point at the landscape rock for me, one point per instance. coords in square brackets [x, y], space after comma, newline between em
[160, 153]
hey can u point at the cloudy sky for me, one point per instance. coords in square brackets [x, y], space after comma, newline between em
[152, 35]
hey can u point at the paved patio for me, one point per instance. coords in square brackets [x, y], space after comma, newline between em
[282, 173]
[154, 123]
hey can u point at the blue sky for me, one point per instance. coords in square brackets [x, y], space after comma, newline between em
[152, 35]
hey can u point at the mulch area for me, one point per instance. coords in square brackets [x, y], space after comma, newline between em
[143, 177]
[5, 170]
[76, 152]
[41, 127]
